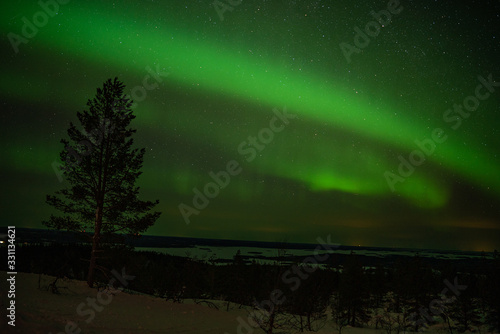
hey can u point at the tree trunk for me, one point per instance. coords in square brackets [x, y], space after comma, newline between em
[271, 322]
[95, 245]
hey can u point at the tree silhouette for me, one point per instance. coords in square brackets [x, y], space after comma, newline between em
[101, 167]
[309, 302]
[353, 292]
[491, 293]
[464, 310]
[340, 312]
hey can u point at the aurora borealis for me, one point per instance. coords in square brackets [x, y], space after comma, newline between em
[204, 87]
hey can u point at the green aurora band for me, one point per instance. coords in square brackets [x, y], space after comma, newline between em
[324, 104]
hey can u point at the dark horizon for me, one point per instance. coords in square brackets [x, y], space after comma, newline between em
[250, 243]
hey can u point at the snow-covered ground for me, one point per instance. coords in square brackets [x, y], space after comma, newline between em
[227, 253]
[79, 309]
[39, 311]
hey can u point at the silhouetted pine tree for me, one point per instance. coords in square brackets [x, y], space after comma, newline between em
[340, 313]
[101, 168]
[492, 294]
[413, 287]
[353, 292]
[464, 310]
[309, 302]
[233, 284]
[378, 285]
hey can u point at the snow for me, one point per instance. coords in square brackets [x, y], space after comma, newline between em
[39, 311]
[117, 312]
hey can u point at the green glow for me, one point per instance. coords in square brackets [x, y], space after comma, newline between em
[225, 78]
[246, 78]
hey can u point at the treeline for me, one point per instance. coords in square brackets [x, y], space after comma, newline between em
[410, 295]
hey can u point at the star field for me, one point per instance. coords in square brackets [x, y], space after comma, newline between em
[203, 86]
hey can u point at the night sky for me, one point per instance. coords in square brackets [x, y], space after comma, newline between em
[380, 137]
